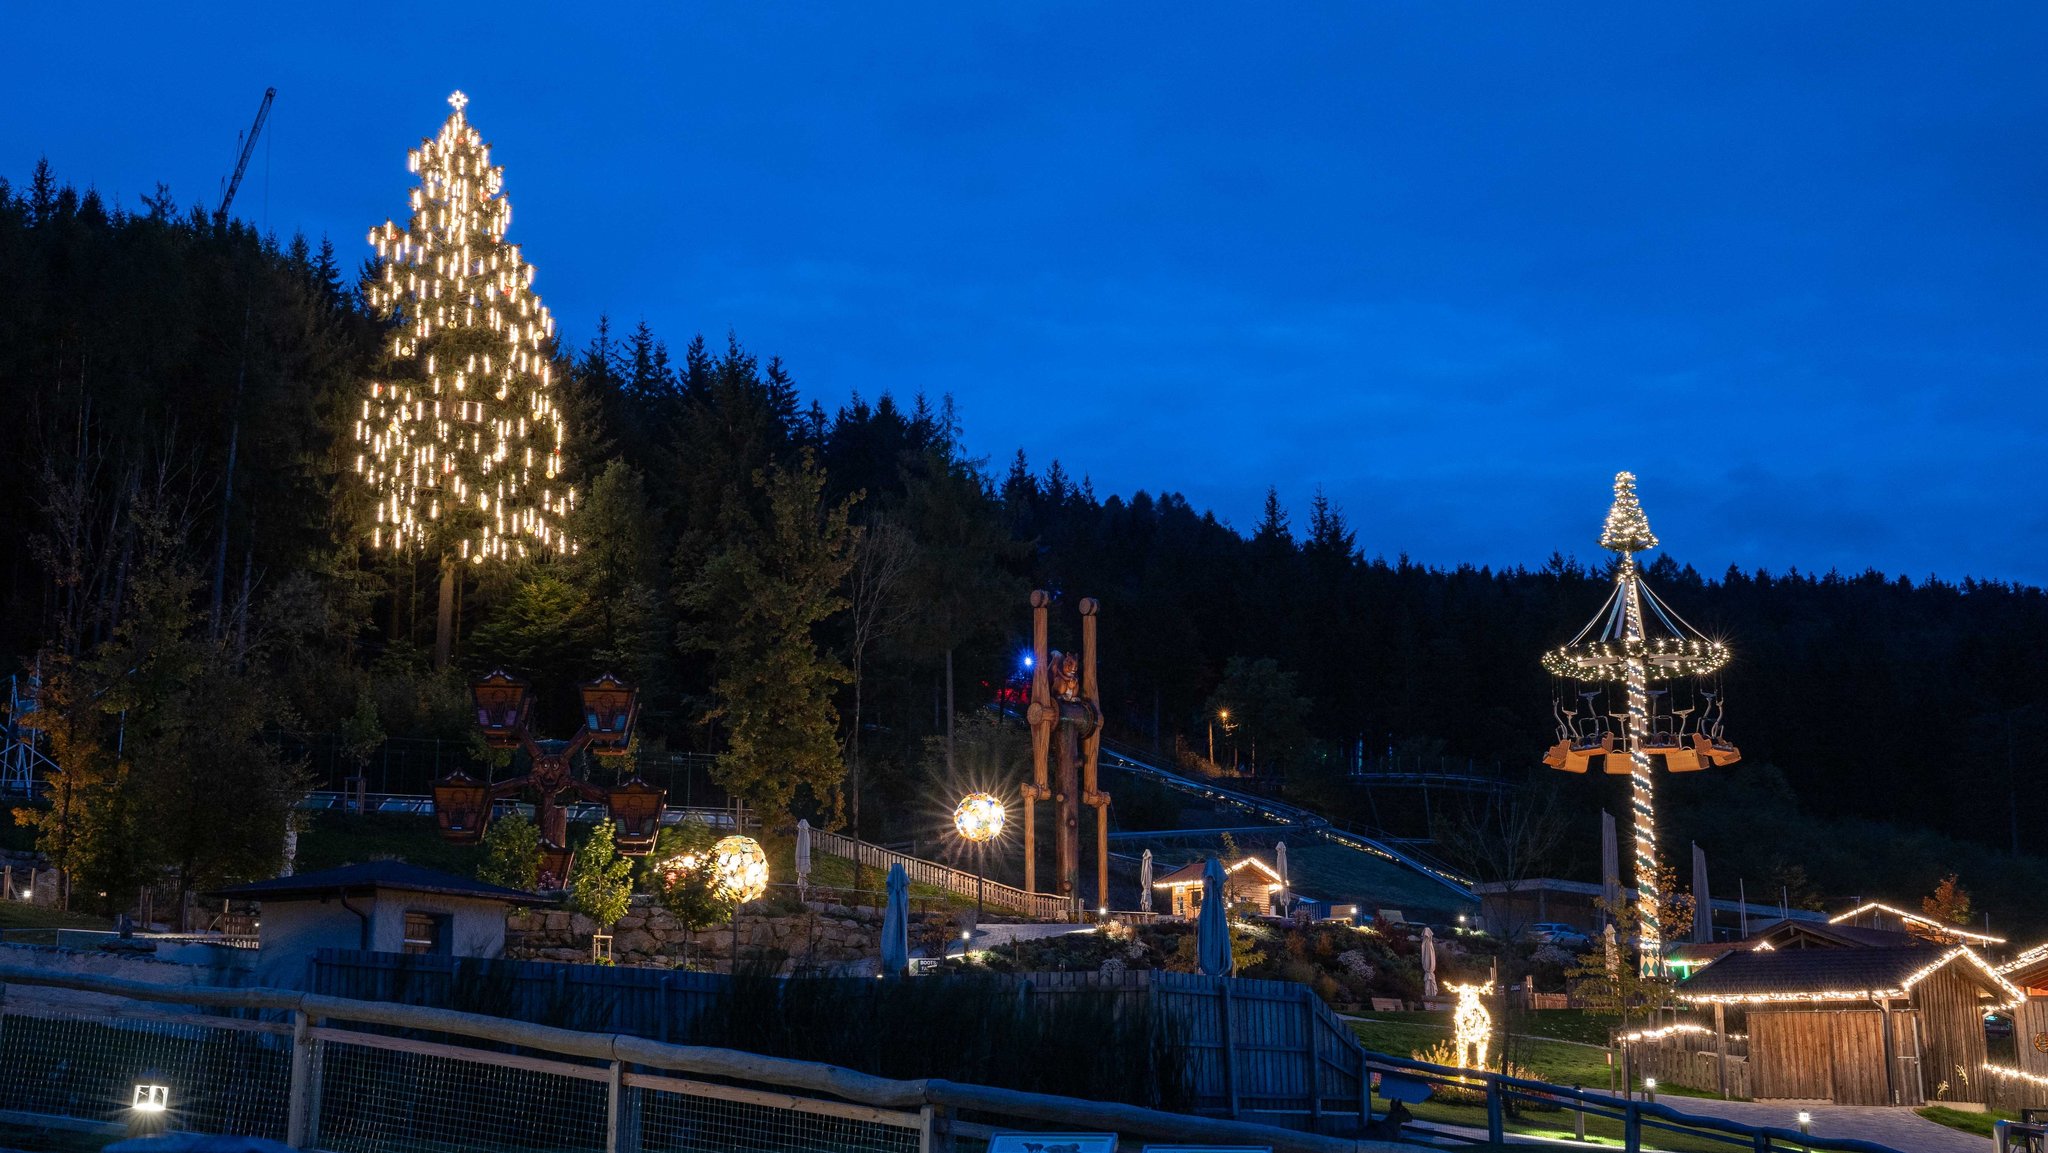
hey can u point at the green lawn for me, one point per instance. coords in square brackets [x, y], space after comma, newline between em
[1978, 1123]
[21, 915]
[335, 838]
[1547, 1051]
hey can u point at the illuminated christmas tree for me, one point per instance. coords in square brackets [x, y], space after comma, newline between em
[1627, 529]
[462, 443]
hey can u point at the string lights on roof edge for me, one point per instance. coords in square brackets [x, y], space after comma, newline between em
[465, 441]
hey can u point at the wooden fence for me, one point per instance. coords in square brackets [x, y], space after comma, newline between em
[1266, 1050]
[1039, 906]
[1693, 1068]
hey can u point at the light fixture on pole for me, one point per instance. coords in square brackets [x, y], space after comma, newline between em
[979, 819]
[741, 869]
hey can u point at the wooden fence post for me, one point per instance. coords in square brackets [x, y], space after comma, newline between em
[668, 1009]
[1229, 1047]
[614, 1094]
[1496, 1122]
[1721, 1048]
[1632, 1126]
[1309, 1038]
[298, 1096]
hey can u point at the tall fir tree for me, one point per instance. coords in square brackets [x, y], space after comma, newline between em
[462, 440]
[757, 604]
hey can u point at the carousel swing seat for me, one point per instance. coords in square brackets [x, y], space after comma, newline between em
[1586, 750]
[1715, 750]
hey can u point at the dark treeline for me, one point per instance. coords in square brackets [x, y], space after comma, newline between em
[182, 393]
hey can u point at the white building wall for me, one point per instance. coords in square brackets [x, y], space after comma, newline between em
[477, 927]
[290, 932]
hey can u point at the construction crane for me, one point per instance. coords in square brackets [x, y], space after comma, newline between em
[248, 148]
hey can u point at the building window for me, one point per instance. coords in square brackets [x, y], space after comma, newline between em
[426, 933]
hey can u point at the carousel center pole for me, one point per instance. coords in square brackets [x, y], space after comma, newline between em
[1649, 932]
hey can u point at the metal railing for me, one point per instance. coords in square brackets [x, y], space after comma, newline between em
[2019, 1136]
[1040, 906]
[347, 1076]
[1503, 1097]
[1280, 812]
[94, 938]
[582, 812]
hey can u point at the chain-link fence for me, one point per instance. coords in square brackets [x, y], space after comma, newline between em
[84, 1059]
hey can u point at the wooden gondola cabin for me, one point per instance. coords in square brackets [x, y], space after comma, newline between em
[1248, 883]
[1897, 1025]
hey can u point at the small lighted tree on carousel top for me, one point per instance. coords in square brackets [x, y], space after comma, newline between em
[1636, 641]
[504, 707]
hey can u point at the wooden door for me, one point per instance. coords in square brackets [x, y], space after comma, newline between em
[1789, 1057]
[1859, 1059]
[1907, 1075]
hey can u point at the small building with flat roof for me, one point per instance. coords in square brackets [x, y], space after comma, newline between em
[382, 906]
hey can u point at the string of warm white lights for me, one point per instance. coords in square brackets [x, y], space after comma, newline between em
[2013, 992]
[1916, 919]
[2030, 957]
[1628, 528]
[466, 441]
[1471, 1024]
[2015, 1074]
[1649, 926]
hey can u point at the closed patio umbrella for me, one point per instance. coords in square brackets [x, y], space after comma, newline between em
[1212, 928]
[1280, 866]
[1145, 882]
[803, 858]
[1428, 962]
[896, 923]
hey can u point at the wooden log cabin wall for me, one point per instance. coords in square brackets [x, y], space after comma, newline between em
[1860, 1026]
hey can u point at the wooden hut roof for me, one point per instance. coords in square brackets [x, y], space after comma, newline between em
[1878, 915]
[1817, 975]
[1829, 935]
[2029, 969]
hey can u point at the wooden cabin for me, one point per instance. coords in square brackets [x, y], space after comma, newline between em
[2029, 970]
[1888, 1025]
[1247, 881]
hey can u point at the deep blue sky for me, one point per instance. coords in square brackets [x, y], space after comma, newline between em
[1454, 263]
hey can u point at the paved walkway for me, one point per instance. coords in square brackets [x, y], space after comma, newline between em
[1900, 1128]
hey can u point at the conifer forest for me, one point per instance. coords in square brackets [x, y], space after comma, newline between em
[824, 597]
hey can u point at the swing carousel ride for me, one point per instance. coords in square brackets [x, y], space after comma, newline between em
[1636, 642]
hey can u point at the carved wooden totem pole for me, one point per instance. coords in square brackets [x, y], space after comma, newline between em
[1066, 730]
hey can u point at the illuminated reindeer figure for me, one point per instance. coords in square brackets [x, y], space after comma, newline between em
[1471, 1025]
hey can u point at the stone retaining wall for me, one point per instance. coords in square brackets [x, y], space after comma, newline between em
[649, 935]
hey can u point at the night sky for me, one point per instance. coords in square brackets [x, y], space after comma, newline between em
[1455, 264]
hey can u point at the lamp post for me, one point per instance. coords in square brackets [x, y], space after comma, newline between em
[979, 818]
[742, 871]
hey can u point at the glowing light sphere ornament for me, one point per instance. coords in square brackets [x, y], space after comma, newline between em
[979, 818]
[741, 868]
[462, 445]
